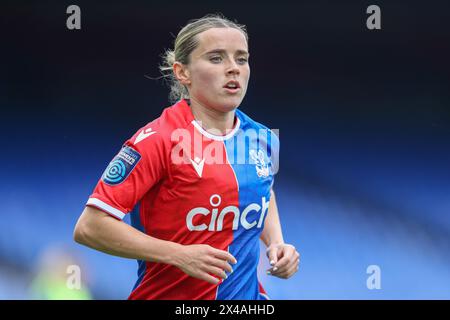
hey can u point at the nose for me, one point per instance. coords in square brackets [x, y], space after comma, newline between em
[233, 68]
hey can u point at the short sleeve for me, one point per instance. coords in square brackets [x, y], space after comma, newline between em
[137, 167]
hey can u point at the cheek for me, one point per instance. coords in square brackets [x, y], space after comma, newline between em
[205, 77]
[246, 75]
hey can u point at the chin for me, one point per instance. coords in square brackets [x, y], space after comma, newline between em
[229, 104]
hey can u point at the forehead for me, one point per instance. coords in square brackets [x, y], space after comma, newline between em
[221, 38]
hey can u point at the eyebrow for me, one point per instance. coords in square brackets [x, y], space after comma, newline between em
[223, 51]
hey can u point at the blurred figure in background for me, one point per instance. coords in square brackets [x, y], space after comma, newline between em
[59, 276]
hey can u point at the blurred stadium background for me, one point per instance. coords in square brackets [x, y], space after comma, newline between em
[364, 120]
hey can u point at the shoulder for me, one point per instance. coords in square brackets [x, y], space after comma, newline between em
[247, 123]
[158, 132]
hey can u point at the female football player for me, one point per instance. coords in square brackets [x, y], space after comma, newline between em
[197, 181]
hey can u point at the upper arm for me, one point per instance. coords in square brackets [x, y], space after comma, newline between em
[89, 218]
[90, 213]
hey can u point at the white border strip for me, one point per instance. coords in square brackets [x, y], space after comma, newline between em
[216, 137]
[265, 296]
[111, 210]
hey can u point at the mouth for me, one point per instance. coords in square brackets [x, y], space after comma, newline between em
[232, 86]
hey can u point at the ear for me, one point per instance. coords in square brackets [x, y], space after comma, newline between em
[181, 72]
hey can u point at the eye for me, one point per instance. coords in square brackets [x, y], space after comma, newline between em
[242, 60]
[215, 59]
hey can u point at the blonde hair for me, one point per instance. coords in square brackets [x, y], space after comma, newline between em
[186, 42]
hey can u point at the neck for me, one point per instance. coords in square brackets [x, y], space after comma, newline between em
[213, 121]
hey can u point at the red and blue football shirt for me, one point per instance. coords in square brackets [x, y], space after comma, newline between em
[183, 184]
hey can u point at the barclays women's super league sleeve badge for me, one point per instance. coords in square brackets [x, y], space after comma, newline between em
[121, 166]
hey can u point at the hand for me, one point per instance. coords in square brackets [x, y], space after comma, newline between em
[284, 260]
[204, 262]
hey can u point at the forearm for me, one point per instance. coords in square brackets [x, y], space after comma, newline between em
[99, 231]
[272, 233]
